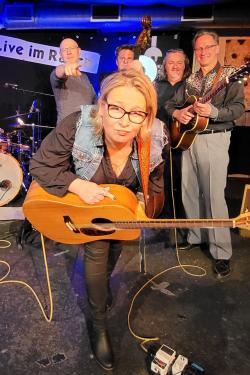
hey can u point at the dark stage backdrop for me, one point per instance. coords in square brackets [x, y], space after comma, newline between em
[35, 77]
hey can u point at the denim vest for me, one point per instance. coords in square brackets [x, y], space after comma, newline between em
[88, 148]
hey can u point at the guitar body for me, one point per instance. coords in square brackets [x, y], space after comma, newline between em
[56, 217]
[69, 220]
[183, 135]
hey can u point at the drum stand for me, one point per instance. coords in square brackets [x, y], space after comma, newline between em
[26, 233]
[26, 175]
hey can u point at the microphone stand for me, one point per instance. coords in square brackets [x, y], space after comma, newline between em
[31, 91]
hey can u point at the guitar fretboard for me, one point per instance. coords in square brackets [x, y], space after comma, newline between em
[206, 98]
[168, 223]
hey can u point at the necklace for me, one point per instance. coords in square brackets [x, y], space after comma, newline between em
[118, 159]
[118, 166]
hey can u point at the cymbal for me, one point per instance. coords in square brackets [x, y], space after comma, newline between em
[37, 126]
[17, 115]
[20, 126]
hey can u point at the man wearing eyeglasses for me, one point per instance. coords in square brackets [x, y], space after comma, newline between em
[204, 164]
[71, 87]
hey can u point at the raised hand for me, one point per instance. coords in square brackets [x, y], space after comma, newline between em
[72, 69]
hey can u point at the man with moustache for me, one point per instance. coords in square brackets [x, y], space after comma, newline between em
[204, 164]
[176, 69]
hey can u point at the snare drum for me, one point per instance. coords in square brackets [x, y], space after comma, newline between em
[11, 178]
[21, 152]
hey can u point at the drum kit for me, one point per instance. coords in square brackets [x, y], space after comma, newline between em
[16, 150]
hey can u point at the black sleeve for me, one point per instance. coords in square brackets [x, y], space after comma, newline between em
[51, 165]
[176, 101]
[156, 183]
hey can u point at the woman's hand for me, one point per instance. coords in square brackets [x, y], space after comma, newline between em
[89, 192]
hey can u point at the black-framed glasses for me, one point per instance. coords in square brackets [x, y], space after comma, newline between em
[137, 117]
[68, 49]
[205, 49]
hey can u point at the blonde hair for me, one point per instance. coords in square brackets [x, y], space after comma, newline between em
[130, 78]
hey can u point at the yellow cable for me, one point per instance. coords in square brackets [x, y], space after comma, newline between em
[5, 246]
[175, 231]
[183, 267]
[48, 319]
[147, 339]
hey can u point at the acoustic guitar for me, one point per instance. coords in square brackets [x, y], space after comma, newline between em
[69, 220]
[183, 135]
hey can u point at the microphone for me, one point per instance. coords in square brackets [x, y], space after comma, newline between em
[5, 184]
[12, 85]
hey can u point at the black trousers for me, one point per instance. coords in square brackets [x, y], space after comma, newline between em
[100, 258]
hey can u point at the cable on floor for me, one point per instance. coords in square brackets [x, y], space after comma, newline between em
[183, 267]
[19, 282]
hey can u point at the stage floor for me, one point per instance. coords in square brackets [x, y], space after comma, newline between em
[204, 319]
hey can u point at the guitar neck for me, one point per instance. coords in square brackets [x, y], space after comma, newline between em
[210, 94]
[169, 223]
[236, 76]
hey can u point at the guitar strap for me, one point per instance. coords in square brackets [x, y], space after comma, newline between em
[144, 164]
[217, 77]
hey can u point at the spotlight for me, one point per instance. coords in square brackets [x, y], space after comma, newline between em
[20, 121]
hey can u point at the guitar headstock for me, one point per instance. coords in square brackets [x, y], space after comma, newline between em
[241, 73]
[243, 220]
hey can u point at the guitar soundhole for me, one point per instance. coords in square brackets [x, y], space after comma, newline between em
[189, 126]
[101, 220]
[102, 230]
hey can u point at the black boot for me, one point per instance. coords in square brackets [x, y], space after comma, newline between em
[101, 347]
[96, 275]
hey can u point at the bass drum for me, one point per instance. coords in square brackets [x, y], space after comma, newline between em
[11, 178]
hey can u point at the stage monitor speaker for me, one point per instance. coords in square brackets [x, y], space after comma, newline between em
[105, 13]
[198, 13]
[245, 208]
